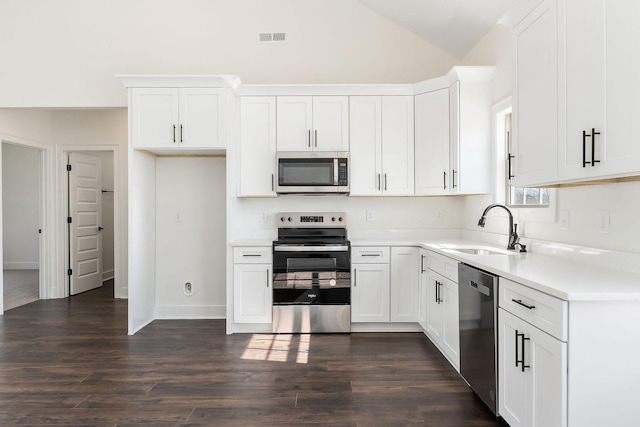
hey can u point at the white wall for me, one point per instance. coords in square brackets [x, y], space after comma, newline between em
[191, 244]
[20, 206]
[66, 53]
[583, 203]
[402, 215]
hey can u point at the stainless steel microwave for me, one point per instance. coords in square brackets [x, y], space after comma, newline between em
[312, 172]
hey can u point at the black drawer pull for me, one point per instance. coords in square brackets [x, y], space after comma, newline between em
[519, 301]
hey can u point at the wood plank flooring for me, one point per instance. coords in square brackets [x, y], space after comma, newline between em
[20, 287]
[70, 362]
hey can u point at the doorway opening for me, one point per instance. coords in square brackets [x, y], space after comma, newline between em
[23, 172]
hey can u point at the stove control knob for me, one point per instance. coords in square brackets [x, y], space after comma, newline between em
[332, 282]
[289, 219]
[333, 218]
[282, 218]
[340, 218]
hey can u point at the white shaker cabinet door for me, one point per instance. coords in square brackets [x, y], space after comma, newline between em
[257, 146]
[370, 293]
[432, 143]
[405, 284]
[532, 374]
[294, 123]
[330, 123]
[535, 97]
[365, 124]
[397, 145]
[154, 117]
[201, 118]
[252, 298]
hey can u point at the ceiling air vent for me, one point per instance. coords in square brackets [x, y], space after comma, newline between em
[272, 37]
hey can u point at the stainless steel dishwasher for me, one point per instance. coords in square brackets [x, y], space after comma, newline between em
[478, 304]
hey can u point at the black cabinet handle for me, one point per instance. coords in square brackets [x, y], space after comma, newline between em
[355, 277]
[422, 263]
[385, 182]
[174, 133]
[445, 180]
[315, 134]
[180, 133]
[272, 183]
[453, 178]
[509, 158]
[593, 147]
[516, 342]
[379, 188]
[268, 275]
[584, 148]
[519, 301]
[309, 136]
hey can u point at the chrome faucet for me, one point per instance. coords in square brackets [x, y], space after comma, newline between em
[513, 235]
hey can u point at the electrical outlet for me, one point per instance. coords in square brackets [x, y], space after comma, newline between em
[564, 219]
[188, 288]
[371, 216]
[604, 221]
[438, 214]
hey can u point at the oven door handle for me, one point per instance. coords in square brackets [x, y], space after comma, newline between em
[287, 248]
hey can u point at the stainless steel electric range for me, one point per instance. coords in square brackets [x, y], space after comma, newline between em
[311, 273]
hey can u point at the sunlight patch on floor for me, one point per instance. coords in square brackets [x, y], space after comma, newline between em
[278, 348]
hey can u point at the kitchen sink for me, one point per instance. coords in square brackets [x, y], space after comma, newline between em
[482, 251]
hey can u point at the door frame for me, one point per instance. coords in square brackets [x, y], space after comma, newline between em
[45, 217]
[62, 282]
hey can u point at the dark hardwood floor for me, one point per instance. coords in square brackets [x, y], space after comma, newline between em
[70, 362]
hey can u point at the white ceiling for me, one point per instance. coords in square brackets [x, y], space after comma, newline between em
[453, 25]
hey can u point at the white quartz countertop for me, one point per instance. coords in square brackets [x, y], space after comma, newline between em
[557, 276]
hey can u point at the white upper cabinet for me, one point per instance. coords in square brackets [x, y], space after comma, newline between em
[257, 146]
[453, 136]
[535, 95]
[177, 118]
[313, 123]
[432, 142]
[599, 75]
[382, 142]
[365, 122]
[576, 92]
[397, 145]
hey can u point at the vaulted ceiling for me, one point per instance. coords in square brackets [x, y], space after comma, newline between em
[453, 25]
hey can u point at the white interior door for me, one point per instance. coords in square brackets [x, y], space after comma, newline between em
[85, 211]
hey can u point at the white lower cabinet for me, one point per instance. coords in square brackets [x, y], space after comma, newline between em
[405, 282]
[370, 293]
[442, 306]
[252, 289]
[532, 374]
[385, 284]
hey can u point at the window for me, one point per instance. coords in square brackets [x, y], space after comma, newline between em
[520, 196]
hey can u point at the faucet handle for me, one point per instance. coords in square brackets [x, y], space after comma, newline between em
[523, 248]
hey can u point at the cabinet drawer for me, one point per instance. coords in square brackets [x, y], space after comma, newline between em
[370, 255]
[447, 267]
[252, 255]
[539, 309]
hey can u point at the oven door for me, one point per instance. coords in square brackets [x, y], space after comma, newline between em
[311, 274]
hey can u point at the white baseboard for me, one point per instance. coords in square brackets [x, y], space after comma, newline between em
[386, 327]
[28, 265]
[190, 312]
[108, 275]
